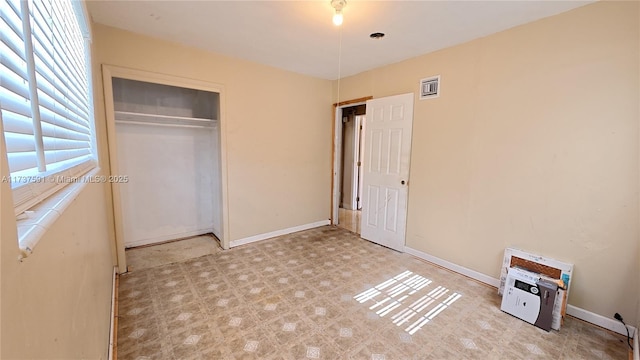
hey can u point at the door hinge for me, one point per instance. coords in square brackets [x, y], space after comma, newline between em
[359, 163]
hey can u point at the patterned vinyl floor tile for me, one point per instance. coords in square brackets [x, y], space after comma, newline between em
[325, 293]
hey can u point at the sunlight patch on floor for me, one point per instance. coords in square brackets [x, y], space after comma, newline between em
[390, 298]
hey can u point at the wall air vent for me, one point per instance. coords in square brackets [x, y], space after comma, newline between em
[430, 87]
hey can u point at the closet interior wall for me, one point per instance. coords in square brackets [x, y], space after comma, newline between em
[168, 146]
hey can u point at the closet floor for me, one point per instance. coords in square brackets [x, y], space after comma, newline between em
[150, 256]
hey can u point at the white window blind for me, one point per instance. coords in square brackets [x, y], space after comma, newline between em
[14, 89]
[44, 96]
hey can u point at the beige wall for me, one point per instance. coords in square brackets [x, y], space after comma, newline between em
[533, 143]
[278, 129]
[56, 303]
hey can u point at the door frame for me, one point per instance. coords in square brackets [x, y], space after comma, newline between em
[108, 73]
[336, 151]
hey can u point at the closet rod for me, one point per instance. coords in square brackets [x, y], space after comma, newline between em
[137, 115]
[164, 125]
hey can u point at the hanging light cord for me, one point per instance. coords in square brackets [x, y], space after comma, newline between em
[339, 63]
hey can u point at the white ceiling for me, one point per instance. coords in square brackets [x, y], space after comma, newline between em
[299, 35]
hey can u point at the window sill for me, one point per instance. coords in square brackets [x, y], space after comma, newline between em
[34, 223]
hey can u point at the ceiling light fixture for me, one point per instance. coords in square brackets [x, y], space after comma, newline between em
[338, 5]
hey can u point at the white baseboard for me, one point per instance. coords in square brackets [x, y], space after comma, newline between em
[599, 320]
[269, 235]
[454, 267]
[602, 321]
[163, 238]
[110, 354]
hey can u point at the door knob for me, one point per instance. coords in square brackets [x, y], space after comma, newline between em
[402, 182]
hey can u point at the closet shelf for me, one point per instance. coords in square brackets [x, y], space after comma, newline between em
[163, 120]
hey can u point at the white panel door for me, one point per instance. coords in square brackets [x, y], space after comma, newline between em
[386, 170]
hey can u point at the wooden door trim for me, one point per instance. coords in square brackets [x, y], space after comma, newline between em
[353, 101]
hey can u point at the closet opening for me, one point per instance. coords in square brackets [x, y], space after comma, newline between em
[165, 137]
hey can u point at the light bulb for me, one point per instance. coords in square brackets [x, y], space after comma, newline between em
[337, 18]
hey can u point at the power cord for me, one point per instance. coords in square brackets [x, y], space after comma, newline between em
[619, 318]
